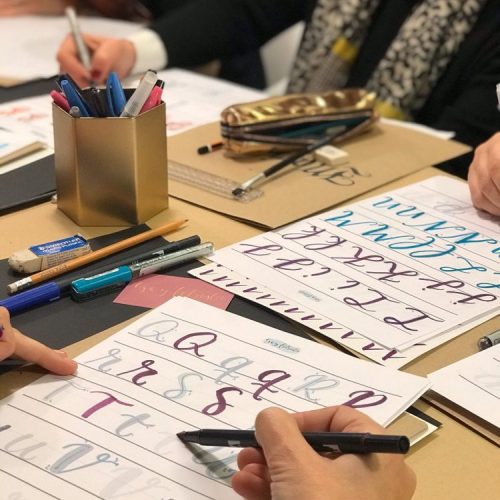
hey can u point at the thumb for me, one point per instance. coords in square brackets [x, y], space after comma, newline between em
[285, 449]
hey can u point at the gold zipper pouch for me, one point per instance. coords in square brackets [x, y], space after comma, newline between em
[291, 122]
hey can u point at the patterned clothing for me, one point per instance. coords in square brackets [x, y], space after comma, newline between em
[412, 64]
[461, 98]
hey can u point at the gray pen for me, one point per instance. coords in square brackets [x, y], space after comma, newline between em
[83, 51]
[489, 340]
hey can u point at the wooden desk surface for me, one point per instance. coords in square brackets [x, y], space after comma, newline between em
[453, 463]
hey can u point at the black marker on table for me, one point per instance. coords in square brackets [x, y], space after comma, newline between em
[337, 442]
[489, 340]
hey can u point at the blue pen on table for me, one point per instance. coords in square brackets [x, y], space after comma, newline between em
[54, 290]
[100, 284]
[115, 97]
[74, 99]
[141, 93]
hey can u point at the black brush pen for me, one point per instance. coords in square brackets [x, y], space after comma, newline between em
[336, 442]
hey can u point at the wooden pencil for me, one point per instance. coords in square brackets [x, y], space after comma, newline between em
[52, 272]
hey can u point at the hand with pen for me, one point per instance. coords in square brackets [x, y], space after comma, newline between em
[484, 176]
[107, 55]
[286, 467]
[14, 343]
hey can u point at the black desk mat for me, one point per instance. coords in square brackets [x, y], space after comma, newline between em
[65, 321]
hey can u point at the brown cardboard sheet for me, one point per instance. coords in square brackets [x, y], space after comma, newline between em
[384, 154]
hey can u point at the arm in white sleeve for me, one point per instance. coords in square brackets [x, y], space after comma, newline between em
[150, 51]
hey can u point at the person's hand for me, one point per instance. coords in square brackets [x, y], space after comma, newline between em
[29, 7]
[14, 343]
[484, 176]
[108, 54]
[287, 468]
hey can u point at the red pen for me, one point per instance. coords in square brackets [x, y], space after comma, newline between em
[60, 100]
[153, 100]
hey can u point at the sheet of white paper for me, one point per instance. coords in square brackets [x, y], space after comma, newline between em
[473, 383]
[398, 269]
[251, 290]
[193, 99]
[29, 117]
[441, 134]
[30, 43]
[110, 430]
[11, 142]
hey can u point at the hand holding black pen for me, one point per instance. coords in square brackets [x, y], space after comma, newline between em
[295, 471]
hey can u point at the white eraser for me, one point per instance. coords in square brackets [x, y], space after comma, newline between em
[39, 257]
[331, 155]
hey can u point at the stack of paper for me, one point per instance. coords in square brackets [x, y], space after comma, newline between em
[473, 383]
[13, 146]
[390, 277]
[110, 430]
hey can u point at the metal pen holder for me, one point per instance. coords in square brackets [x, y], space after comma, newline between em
[111, 171]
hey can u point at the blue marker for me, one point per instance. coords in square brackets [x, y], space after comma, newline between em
[74, 99]
[115, 97]
[99, 284]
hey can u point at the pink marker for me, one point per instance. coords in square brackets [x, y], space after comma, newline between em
[153, 100]
[60, 100]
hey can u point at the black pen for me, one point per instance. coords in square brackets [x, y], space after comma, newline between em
[245, 186]
[336, 442]
[61, 287]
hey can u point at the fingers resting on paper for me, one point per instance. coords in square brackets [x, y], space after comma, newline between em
[14, 343]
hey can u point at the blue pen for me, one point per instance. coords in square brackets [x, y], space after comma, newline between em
[54, 290]
[42, 294]
[115, 97]
[74, 98]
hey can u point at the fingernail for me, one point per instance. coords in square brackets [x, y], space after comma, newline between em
[96, 74]
[1, 331]
[63, 353]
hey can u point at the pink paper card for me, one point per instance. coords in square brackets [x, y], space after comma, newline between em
[155, 289]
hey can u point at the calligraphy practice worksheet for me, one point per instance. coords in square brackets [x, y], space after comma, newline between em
[390, 277]
[110, 430]
[473, 383]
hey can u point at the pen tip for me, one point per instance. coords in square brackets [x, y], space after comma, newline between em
[181, 435]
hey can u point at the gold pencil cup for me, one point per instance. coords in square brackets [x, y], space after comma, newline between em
[111, 171]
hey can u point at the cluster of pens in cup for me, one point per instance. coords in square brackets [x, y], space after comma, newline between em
[110, 101]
